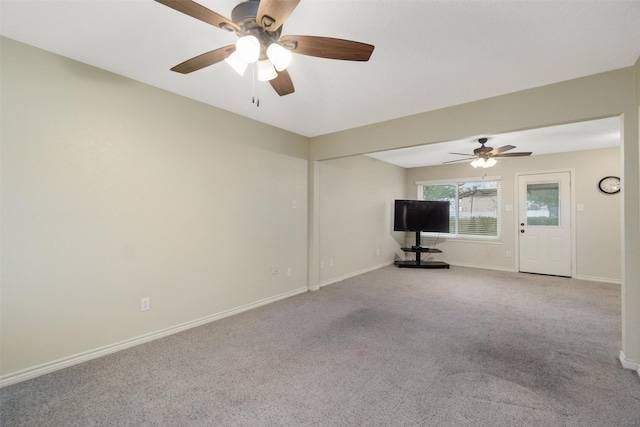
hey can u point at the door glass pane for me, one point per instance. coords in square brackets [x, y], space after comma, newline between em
[543, 203]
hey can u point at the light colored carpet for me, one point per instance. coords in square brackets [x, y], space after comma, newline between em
[458, 347]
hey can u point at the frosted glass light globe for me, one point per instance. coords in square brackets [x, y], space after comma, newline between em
[279, 56]
[236, 63]
[478, 163]
[266, 71]
[248, 47]
[489, 162]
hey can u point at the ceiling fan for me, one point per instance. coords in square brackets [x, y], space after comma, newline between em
[485, 156]
[258, 25]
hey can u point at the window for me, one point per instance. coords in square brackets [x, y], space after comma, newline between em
[475, 205]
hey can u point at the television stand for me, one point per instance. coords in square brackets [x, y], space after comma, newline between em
[419, 250]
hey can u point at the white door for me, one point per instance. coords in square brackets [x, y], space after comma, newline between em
[544, 223]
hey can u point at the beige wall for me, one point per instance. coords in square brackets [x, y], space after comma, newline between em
[608, 94]
[598, 240]
[355, 215]
[113, 190]
[632, 245]
[598, 96]
[356, 193]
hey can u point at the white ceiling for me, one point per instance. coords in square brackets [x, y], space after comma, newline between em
[588, 135]
[428, 55]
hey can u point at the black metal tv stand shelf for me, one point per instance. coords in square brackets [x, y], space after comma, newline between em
[419, 250]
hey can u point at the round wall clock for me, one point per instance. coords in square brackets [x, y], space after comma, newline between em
[609, 185]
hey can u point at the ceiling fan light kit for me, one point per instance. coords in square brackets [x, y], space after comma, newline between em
[258, 25]
[484, 163]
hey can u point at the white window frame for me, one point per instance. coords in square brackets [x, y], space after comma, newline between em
[456, 182]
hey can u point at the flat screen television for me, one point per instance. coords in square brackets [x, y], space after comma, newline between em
[421, 215]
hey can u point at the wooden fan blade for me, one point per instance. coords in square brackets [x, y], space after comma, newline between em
[204, 60]
[462, 154]
[200, 12]
[272, 13]
[282, 84]
[520, 154]
[326, 47]
[500, 150]
[459, 160]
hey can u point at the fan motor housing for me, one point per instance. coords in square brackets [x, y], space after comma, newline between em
[482, 150]
[244, 14]
[245, 11]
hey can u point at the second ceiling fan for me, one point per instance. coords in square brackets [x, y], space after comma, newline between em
[258, 24]
[485, 156]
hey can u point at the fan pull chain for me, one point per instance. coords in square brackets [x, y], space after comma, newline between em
[253, 85]
[255, 95]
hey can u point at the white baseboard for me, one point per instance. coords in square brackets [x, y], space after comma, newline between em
[599, 279]
[629, 363]
[492, 267]
[356, 273]
[45, 368]
[486, 267]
